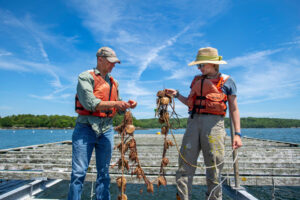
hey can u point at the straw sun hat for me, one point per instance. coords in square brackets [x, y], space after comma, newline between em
[208, 55]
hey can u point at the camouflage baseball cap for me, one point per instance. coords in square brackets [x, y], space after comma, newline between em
[109, 54]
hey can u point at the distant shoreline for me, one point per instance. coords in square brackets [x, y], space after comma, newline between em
[67, 122]
[69, 128]
[39, 128]
[137, 128]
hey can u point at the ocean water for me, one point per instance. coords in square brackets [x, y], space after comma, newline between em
[10, 138]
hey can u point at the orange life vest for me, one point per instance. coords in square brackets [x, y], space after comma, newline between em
[103, 91]
[207, 97]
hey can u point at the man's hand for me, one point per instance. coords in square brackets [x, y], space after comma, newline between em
[171, 92]
[237, 142]
[132, 103]
[122, 105]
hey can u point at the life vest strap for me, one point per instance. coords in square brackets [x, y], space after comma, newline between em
[199, 106]
[201, 97]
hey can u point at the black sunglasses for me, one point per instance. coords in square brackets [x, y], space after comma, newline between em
[200, 66]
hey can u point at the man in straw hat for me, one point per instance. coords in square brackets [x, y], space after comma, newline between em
[97, 101]
[205, 127]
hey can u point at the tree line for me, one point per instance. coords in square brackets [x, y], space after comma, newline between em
[62, 121]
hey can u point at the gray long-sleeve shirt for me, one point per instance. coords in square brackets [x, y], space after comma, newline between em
[88, 100]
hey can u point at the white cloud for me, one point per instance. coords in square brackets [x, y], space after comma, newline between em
[166, 63]
[42, 49]
[58, 98]
[99, 16]
[155, 51]
[32, 37]
[144, 43]
[43, 68]
[264, 78]
[5, 53]
[27, 31]
[250, 59]
[184, 72]
[296, 41]
[8, 65]
[15, 64]
[133, 89]
[125, 37]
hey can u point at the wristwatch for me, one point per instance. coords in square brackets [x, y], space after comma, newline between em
[238, 133]
[177, 94]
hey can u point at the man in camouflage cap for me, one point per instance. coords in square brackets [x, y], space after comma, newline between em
[97, 101]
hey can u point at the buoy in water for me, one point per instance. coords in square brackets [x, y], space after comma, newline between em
[158, 133]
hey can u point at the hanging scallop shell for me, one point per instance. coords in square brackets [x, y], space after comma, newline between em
[164, 130]
[129, 129]
[131, 143]
[161, 93]
[166, 116]
[168, 143]
[164, 100]
[161, 181]
[133, 156]
[122, 197]
[150, 187]
[138, 172]
[165, 161]
[128, 118]
[119, 181]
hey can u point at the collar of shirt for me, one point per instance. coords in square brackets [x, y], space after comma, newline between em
[98, 72]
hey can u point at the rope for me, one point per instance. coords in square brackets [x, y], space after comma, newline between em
[92, 192]
[227, 177]
[196, 166]
[202, 167]
[206, 167]
[183, 158]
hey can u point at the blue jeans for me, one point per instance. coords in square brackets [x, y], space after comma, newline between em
[84, 140]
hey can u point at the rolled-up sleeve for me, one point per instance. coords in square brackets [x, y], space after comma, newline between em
[85, 91]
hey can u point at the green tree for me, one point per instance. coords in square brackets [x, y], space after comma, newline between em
[6, 122]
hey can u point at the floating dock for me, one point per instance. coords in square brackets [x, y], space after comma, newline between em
[261, 162]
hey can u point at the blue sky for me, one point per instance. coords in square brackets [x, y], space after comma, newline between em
[46, 44]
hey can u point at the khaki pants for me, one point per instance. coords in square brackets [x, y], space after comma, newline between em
[206, 133]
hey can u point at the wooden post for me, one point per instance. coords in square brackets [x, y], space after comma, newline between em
[234, 154]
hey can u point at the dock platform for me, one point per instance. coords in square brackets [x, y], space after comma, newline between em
[261, 162]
